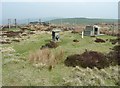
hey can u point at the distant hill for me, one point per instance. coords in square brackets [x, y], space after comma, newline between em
[26, 20]
[81, 21]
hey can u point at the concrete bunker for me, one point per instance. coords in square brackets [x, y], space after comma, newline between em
[92, 30]
[56, 34]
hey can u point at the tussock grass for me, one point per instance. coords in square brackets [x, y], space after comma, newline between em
[92, 77]
[45, 58]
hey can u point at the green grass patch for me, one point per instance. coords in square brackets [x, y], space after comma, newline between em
[22, 73]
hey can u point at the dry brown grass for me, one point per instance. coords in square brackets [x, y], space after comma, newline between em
[59, 56]
[45, 58]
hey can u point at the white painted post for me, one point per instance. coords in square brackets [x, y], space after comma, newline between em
[82, 34]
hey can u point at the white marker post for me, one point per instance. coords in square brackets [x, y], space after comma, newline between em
[82, 34]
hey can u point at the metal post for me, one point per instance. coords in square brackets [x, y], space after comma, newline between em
[15, 23]
[61, 23]
[9, 23]
[39, 21]
[28, 21]
[49, 23]
[113, 29]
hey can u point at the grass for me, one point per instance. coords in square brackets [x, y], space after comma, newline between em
[45, 58]
[19, 72]
[12, 29]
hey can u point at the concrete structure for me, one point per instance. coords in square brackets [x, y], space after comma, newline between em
[92, 30]
[56, 35]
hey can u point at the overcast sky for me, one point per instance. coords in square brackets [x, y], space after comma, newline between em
[22, 10]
